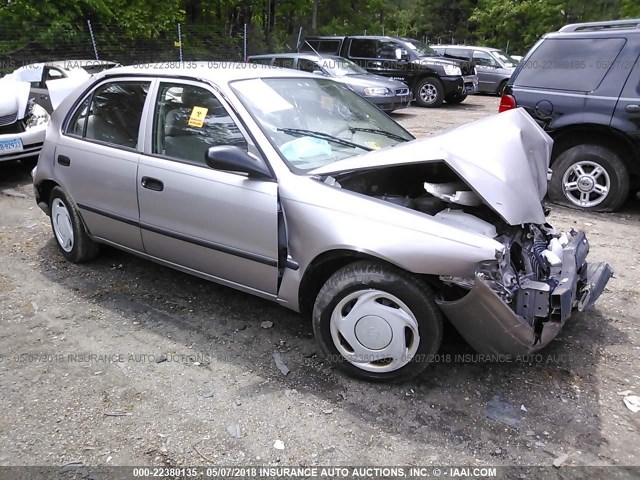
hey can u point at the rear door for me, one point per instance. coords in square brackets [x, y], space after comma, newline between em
[96, 160]
[489, 71]
[39, 90]
[627, 114]
[219, 224]
[565, 77]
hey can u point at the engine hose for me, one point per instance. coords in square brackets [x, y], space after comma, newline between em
[537, 260]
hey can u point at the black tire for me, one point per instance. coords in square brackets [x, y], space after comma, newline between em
[455, 99]
[364, 277]
[588, 156]
[82, 247]
[501, 88]
[429, 92]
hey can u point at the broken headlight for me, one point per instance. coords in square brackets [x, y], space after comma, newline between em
[36, 116]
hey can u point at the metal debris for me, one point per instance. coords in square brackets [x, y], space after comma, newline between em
[234, 430]
[633, 403]
[282, 366]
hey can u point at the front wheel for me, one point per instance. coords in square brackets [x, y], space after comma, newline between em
[68, 229]
[377, 322]
[429, 92]
[455, 99]
[589, 177]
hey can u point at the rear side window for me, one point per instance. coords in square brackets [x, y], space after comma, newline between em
[460, 53]
[283, 62]
[261, 61]
[570, 64]
[111, 114]
[363, 48]
[320, 46]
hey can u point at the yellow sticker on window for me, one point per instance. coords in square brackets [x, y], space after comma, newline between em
[374, 145]
[197, 117]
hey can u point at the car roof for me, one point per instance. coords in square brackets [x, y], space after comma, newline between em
[70, 64]
[305, 56]
[488, 49]
[214, 71]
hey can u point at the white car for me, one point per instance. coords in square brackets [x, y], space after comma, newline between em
[29, 94]
[22, 121]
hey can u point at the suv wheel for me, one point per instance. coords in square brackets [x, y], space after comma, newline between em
[455, 99]
[429, 92]
[377, 322]
[590, 177]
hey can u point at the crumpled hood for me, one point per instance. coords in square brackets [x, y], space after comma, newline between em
[14, 97]
[504, 158]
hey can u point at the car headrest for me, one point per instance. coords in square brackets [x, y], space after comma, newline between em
[198, 97]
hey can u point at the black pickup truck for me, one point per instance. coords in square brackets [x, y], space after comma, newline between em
[431, 77]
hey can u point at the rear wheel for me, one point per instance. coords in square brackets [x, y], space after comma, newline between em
[429, 92]
[501, 87]
[589, 177]
[377, 322]
[455, 99]
[68, 229]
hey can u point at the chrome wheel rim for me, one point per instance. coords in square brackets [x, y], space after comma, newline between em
[374, 331]
[428, 93]
[62, 226]
[586, 184]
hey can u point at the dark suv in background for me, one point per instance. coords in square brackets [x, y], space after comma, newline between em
[582, 84]
[431, 77]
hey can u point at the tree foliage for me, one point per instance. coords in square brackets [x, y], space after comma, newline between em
[275, 24]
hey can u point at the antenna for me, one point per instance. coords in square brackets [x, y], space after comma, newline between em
[314, 50]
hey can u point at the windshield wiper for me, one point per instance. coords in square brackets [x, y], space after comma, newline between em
[324, 136]
[379, 132]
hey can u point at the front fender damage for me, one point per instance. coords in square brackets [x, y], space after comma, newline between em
[536, 313]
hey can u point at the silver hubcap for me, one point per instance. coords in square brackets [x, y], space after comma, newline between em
[428, 93]
[62, 226]
[586, 184]
[375, 331]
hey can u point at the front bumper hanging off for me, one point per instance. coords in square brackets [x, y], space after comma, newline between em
[491, 326]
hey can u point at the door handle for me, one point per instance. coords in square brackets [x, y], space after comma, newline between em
[152, 184]
[632, 109]
[64, 160]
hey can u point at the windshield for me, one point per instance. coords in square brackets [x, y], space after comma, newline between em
[315, 122]
[505, 58]
[339, 67]
[422, 49]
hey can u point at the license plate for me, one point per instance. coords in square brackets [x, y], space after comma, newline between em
[10, 146]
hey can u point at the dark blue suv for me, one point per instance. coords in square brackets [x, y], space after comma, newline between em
[582, 84]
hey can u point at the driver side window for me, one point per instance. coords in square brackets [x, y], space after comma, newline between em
[188, 120]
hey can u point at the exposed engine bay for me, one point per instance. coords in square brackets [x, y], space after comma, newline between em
[541, 275]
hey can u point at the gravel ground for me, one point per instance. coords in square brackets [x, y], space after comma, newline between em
[124, 362]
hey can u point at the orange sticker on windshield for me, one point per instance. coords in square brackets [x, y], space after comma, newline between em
[197, 117]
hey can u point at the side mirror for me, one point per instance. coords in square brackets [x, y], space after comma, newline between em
[235, 159]
[318, 72]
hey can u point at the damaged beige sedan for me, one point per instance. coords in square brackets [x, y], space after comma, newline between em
[290, 186]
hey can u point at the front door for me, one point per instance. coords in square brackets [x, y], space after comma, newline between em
[216, 223]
